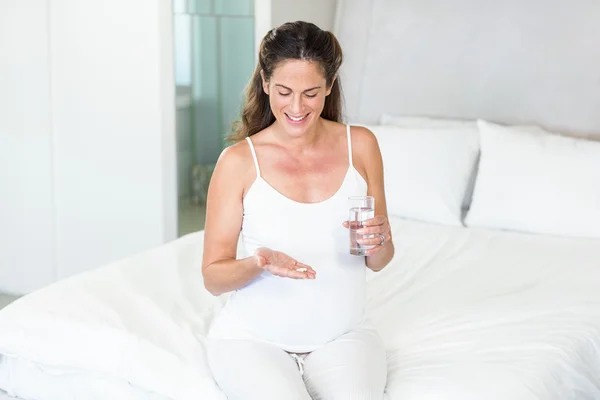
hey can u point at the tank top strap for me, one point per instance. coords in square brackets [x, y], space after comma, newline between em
[349, 145]
[254, 157]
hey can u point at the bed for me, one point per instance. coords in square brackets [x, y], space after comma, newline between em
[494, 289]
[465, 314]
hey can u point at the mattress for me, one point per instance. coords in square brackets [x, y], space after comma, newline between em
[474, 313]
[465, 314]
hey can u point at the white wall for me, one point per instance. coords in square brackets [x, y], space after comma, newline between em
[271, 13]
[87, 134]
[319, 12]
[27, 223]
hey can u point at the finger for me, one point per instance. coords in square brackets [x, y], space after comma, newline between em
[283, 271]
[376, 241]
[301, 275]
[378, 220]
[303, 266]
[307, 274]
[294, 264]
[387, 237]
[306, 270]
[292, 273]
[373, 230]
[345, 224]
[353, 224]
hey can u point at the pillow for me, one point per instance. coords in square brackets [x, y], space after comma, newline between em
[427, 171]
[430, 122]
[141, 320]
[538, 182]
[425, 122]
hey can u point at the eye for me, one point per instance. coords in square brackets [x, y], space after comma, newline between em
[284, 94]
[311, 95]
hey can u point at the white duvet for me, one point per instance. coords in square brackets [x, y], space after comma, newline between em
[465, 314]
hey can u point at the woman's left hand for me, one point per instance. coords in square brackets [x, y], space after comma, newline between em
[379, 227]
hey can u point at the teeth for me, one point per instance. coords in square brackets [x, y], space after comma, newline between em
[296, 119]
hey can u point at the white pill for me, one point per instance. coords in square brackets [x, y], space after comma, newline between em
[301, 270]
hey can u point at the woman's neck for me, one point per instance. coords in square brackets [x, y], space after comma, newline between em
[308, 140]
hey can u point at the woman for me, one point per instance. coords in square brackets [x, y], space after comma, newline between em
[294, 327]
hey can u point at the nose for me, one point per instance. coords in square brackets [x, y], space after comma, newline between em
[296, 106]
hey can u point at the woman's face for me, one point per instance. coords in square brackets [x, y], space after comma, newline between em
[297, 91]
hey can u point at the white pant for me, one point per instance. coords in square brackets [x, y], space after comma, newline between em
[352, 367]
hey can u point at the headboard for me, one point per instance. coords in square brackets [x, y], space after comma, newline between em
[510, 61]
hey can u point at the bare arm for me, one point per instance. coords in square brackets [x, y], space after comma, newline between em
[370, 156]
[221, 271]
[224, 210]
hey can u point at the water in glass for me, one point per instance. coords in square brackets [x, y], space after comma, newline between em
[357, 216]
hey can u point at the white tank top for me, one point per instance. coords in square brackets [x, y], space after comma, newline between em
[298, 315]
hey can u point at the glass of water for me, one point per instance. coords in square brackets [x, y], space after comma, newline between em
[361, 209]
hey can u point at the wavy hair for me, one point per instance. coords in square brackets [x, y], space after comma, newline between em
[291, 41]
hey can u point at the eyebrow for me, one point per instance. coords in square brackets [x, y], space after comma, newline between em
[307, 90]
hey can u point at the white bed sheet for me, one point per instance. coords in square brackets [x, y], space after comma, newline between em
[33, 381]
[480, 314]
[465, 314]
[141, 320]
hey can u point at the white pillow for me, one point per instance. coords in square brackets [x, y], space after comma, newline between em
[425, 122]
[535, 181]
[431, 122]
[427, 171]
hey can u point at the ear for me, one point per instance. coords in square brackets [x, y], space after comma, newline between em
[330, 86]
[265, 84]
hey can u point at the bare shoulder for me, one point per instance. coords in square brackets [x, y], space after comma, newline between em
[365, 147]
[336, 128]
[236, 165]
[363, 139]
[365, 152]
[236, 155]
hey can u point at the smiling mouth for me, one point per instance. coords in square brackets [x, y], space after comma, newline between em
[297, 119]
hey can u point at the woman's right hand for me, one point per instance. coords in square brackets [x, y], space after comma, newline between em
[281, 264]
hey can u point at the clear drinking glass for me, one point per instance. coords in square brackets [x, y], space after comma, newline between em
[361, 209]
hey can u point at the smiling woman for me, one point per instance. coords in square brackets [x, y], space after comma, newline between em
[298, 103]
[298, 309]
[278, 49]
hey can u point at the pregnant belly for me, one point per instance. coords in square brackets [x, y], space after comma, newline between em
[300, 313]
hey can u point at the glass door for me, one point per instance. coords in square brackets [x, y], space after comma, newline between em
[214, 59]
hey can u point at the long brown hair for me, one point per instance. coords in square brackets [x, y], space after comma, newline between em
[291, 41]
